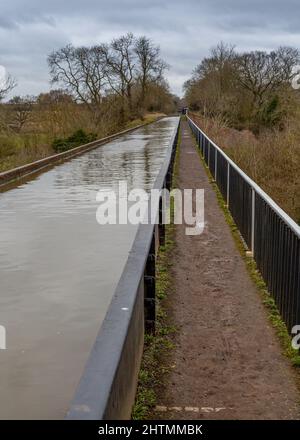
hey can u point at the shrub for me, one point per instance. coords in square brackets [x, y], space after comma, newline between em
[78, 138]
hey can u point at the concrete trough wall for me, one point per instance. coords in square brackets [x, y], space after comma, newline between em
[108, 385]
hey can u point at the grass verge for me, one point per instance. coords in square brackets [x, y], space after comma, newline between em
[157, 348]
[147, 119]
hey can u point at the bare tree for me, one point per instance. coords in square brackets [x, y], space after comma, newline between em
[120, 66]
[251, 89]
[212, 83]
[80, 71]
[150, 67]
[120, 70]
[262, 73]
[22, 108]
[7, 85]
[219, 63]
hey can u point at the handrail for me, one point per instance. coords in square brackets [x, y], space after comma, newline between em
[292, 224]
[108, 384]
[272, 237]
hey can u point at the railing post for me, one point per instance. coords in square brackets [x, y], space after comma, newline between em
[216, 163]
[228, 184]
[252, 220]
[149, 290]
[201, 143]
[161, 225]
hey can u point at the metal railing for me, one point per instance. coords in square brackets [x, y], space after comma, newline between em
[108, 385]
[269, 233]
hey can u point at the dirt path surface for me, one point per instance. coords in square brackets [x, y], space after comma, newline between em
[227, 363]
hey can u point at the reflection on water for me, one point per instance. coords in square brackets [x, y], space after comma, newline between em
[59, 268]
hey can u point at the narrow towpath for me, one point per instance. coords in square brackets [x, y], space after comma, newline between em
[227, 363]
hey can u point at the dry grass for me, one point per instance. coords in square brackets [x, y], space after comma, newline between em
[35, 139]
[17, 150]
[271, 158]
[34, 142]
[147, 118]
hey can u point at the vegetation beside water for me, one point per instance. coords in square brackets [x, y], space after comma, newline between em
[80, 137]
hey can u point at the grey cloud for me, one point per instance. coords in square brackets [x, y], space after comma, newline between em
[6, 23]
[185, 30]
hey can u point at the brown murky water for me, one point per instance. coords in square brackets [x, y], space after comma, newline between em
[59, 269]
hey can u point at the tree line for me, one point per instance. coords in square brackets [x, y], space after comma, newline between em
[96, 91]
[249, 104]
[251, 89]
[128, 69]
[120, 80]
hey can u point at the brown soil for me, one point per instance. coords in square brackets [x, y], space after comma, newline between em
[227, 362]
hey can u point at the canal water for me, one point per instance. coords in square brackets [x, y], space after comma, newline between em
[59, 268]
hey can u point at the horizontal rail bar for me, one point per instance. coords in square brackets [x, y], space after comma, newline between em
[108, 384]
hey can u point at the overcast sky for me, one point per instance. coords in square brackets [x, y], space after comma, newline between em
[184, 29]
